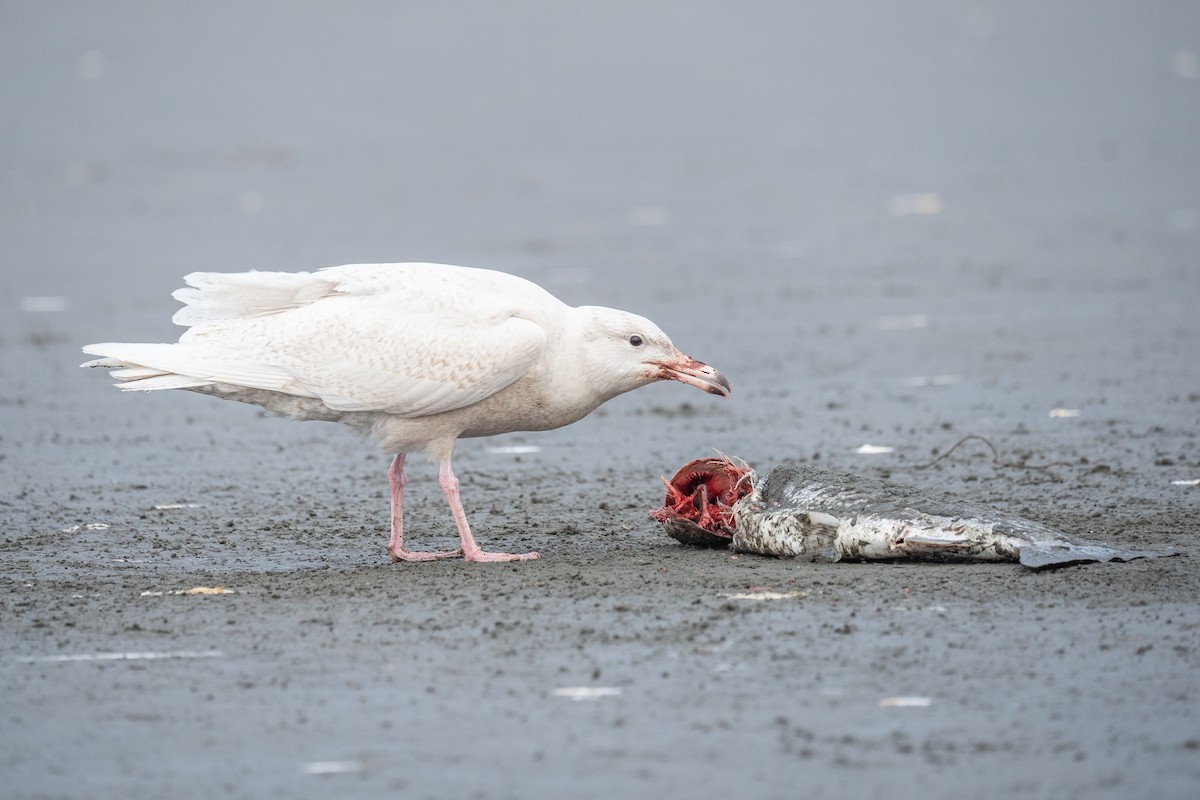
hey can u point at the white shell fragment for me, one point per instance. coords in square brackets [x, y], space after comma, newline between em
[905, 702]
[193, 590]
[1064, 412]
[761, 595]
[874, 449]
[91, 526]
[332, 767]
[586, 692]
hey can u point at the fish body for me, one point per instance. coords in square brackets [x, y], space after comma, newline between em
[803, 512]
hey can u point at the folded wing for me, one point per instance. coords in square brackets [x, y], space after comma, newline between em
[410, 342]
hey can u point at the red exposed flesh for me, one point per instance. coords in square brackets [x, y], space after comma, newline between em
[703, 492]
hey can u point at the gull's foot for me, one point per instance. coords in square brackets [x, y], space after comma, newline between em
[402, 554]
[480, 555]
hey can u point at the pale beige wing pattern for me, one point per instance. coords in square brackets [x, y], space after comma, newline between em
[359, 356]
[379, 350]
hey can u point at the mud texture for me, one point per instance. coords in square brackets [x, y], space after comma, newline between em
[888, 224]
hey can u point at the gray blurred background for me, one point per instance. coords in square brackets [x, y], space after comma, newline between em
[763, 179]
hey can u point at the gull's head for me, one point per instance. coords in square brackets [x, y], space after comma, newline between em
[627, 351]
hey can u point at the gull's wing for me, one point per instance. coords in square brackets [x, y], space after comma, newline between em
[411, 342]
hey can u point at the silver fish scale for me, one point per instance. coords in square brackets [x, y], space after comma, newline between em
[805, 512]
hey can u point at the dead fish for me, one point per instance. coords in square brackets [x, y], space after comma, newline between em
[804, 512]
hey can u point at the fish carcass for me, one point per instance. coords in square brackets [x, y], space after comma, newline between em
[803, 512]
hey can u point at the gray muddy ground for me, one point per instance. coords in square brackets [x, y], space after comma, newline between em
[888, 224]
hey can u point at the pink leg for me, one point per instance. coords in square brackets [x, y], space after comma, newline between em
[396, 543]
[470, 550]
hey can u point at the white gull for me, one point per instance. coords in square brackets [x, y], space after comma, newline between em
[414, 355]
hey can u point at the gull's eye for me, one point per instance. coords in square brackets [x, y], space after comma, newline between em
[635, 340]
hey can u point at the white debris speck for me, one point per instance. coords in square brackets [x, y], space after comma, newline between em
[192, 591]
[91, 526]
[649, 216]
[332, 767]
[135, 656]
[905, 702]
[1185, 64]
[761, 595]
[910, 323]
[44, 304]
[514, 449]
[1065, 412]
[251, 202]
[919, 204]
[175, 506]
[587, 692]
[874, 449]
[92, 65]
[1193, 482]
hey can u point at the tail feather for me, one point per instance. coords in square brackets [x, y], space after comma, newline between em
[135, 373]
[160, 381]
[146, 379]
[101, 362]
[146, 367]
[132, 375]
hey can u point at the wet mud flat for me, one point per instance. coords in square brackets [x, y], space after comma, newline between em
[256, 641]
[299, 673]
